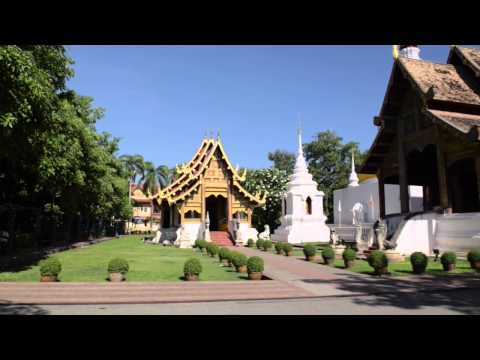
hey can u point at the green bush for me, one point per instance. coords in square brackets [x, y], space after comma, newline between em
[377, 259]
[223, 253]
[50, 267]
[212, 249]
[118, 265]
[349, 254]
[287, 248]
[267, 245]
[260, 244]
[328, 253]
[309, 250]
[419, 259]
[202, 244]
[473, 256]
[278, 247]
[238, 259]
[255, 264]
[251, 243]
[448, 257]
[192, 267]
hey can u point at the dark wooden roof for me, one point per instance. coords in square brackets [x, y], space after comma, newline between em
[450, 94]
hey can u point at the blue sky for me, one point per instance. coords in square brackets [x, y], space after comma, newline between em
[161, 100]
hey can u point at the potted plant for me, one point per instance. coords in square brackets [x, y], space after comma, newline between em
[212, 250]
[419, 262]
[328, 255]
[448, 260]
[117, 268]
[223, 254]
[379, 261]
[255, 268]
[202, 245]
[260, 244]
[240, 262]
[192, 269]
[310, 251]
[267, 245]
[49, 269]
[349, 255]
[287, 249]
[251, 243]
[473, 258]
[279, 248]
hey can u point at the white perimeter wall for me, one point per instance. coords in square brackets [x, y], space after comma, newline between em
[351, 195]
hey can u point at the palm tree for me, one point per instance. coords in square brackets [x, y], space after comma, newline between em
[164, 176]
[149, 178]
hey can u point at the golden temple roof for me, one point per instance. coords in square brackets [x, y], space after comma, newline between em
[189, 178]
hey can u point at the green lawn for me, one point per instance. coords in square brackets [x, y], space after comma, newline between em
[396, 269]
[147, 263]
[405, 268]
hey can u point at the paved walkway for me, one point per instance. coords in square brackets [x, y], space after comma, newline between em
[292, 277]
[321, 280]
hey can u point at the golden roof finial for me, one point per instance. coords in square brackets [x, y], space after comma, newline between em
[395, 51]
[218, 135]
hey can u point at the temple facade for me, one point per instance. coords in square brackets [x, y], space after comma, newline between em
[429, 136]
[207, 201]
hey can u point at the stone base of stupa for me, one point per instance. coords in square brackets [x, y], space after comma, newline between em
[305, 231]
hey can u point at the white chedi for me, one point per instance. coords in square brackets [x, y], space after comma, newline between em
[303, 219]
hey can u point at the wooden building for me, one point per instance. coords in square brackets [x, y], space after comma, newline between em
[429, 132]
[207, 184]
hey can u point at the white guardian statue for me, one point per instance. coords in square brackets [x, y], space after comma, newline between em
[303, 219]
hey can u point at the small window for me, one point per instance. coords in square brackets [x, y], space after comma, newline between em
[284, 206]
[309, 206]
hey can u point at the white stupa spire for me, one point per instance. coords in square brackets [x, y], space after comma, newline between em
[301, 176]
[353, 179]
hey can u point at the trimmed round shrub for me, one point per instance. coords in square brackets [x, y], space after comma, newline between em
[223, 253]
[309, 250]
[238, 259]
[279, 247]
[267, 245]
[50, 267]
[349, 254]
[192, 267]
[328, 253]
[251, 243]
[118, 265]
[255, 264]
[260, 244]
[202, 244]
[448, 258]
[287, 248]
[212, 249]
[377, 260]
[419, 261]
[473, 256]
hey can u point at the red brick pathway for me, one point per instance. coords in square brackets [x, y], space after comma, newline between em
[107, 293]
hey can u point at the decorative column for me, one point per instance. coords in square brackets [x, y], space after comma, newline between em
[402, 170]
[477, 170]
[381, 194]
[442, 173]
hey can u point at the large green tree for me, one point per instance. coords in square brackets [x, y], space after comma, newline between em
[282, 160]
[329, 161]
[273, 183]
[51, 156]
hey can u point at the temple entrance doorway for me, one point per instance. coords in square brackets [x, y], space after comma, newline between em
[165, 214]
[463, 188]
[217, 211]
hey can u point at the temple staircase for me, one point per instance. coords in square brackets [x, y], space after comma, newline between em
[221, 238]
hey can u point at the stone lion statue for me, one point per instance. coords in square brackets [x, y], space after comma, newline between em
[265, 235]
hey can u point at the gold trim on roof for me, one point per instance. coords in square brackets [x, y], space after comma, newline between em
[190, 176]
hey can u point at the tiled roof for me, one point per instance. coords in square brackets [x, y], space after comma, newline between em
[460, 121]
[444, 79]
